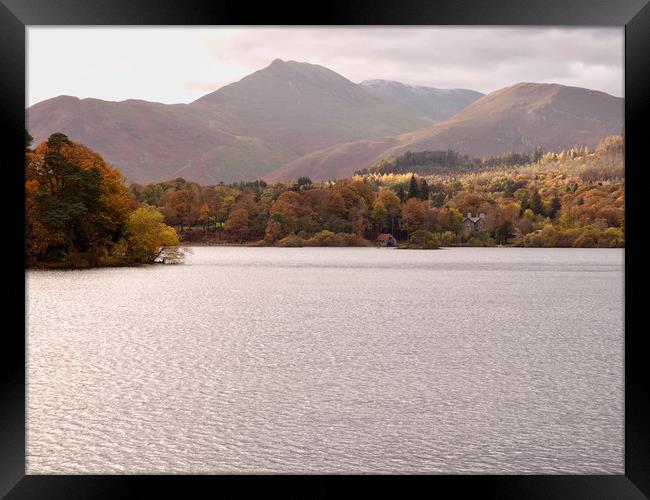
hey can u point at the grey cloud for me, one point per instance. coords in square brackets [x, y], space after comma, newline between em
[179, 64]
[482, 58]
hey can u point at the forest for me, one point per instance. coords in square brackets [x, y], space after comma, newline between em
[447, 162]
[80, 212]
[573, 198]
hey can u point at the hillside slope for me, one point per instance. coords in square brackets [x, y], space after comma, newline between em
[515, 118]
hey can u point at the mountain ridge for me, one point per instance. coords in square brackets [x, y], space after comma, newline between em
[238, 132]
[292, 118]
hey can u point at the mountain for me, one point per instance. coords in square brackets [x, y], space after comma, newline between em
[238, 132]
[436, 104]
[305, 106]
[291, 119]
[515, 118]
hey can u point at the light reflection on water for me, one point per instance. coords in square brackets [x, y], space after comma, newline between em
[330, 360]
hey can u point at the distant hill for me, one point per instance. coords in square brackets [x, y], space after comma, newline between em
[516, 118]
[238, 132]
[436, 104]
[146, 141]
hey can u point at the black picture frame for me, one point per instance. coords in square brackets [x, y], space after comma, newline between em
[15, 15]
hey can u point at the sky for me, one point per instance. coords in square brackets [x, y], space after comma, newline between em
[180, 64]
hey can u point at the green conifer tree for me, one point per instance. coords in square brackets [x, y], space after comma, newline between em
[413, 187]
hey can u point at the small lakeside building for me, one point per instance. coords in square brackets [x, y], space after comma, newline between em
[386, 240]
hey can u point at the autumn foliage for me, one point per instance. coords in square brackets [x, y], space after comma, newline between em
[571, 198]
[77, 205]
[79, 212]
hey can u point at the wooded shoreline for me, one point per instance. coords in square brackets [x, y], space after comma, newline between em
[81, 214]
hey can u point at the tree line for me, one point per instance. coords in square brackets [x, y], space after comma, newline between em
[448, 161]
[572, 198]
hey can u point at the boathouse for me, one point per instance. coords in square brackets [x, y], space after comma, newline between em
[386, 240]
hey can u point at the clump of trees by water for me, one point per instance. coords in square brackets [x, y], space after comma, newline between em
[323, 238]
[572, 198]
[80, 213]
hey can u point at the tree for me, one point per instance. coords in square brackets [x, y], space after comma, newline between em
[303, 183]
[556, 205]
[359, 220]
[401, 194]
[379, 216]
[148, 239]
[525, 222]
[550, 235]
[273, 231]
[423, 239]
[413, 213]
[258, 224]
[612, 237]
[237, 224]
[535, 203]
[414, 192]
[177, 207]
[588, 238]
[448, 239]
[472, 202]
[337, 204]
[455, 220]
[28, 142]
[612, 215]
[38, 237]
[204, 214]
[278, 227]
[424, 190]
[392, 203]
[502, 220]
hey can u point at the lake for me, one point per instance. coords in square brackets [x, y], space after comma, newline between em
[331, 360]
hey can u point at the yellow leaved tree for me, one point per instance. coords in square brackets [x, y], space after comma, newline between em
[148, 239]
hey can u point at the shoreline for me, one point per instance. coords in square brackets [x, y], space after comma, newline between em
[256, 245]
[77, 266]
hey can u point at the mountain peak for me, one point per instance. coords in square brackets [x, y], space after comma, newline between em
[295, 65]
[284, 83]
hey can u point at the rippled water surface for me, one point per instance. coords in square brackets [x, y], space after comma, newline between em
[330, 360]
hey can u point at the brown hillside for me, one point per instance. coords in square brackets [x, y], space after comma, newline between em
[515, 118]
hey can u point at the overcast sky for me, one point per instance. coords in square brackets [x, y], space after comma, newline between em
[174, 65]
